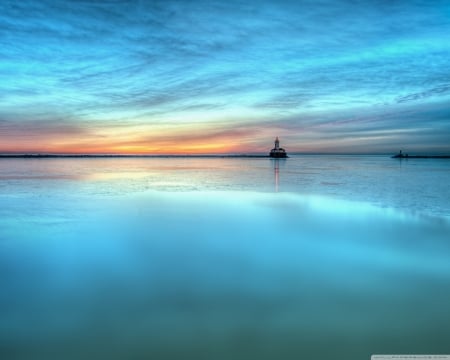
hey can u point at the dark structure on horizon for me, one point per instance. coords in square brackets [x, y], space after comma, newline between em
[278, 152]
[400, 155]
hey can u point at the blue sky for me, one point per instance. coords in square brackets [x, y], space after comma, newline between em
[224, 76]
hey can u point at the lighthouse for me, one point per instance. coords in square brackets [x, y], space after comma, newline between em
[278, 152]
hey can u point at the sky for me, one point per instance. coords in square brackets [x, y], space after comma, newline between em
[206, 77]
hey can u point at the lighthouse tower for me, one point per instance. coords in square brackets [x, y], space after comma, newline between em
[278, 152]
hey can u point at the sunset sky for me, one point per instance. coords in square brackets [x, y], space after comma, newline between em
[164, 77]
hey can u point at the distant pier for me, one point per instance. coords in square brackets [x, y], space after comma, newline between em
[401, 155]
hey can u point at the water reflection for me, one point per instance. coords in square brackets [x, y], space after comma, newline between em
[276, 167]
[276, 171]
[193, 276]
[108, 259]
[375, 179]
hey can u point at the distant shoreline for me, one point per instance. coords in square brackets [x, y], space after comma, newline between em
[78, 156]
[406, 157]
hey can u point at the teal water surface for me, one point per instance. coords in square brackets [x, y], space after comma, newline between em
[306, 258]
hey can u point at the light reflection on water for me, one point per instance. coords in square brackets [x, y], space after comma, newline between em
[97, 265]
[419, 185]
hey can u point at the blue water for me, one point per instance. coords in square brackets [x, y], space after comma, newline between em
[312, 257]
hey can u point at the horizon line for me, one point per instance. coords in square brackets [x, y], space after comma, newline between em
[119, 155]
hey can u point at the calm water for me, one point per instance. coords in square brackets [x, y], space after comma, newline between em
[312, 257]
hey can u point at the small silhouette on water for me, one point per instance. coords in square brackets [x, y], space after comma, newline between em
[400, 155]
[277, 151]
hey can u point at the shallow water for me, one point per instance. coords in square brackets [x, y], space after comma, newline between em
[310, 257]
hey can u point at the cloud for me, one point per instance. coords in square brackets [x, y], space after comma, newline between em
[38, 136]
[437, 91]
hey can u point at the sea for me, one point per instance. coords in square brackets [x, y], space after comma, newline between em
[310, 257]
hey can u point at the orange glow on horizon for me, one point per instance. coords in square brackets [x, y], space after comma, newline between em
[145, 139]
[131, 149]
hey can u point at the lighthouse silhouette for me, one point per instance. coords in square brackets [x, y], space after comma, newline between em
[277, 151]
